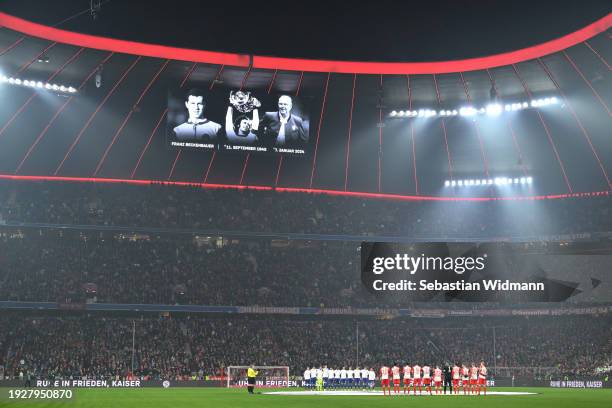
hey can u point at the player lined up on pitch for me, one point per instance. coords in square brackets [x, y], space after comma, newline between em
[322, 378]
[472, 380]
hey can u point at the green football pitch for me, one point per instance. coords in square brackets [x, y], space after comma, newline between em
[238, 398]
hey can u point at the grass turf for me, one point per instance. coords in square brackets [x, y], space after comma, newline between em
[238, 398]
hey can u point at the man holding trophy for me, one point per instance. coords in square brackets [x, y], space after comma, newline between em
[242, 129]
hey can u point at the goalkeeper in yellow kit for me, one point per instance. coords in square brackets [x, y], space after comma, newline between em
[319, 383]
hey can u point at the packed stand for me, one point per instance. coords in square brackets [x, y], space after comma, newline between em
[80, 266]
[195, 208]
[190, 347]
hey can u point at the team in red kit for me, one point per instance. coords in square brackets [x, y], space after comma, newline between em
[384, 379]
[473, 379]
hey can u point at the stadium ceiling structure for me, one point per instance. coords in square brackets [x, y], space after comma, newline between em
[116, 131]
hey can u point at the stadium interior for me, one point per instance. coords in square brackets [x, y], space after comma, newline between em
[126, 255]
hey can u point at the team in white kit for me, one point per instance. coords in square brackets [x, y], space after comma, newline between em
[472, 380]
[344, 378]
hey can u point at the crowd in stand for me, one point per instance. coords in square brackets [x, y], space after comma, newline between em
[199, 347]
[76, 265]
[272, 211]
[55, 265]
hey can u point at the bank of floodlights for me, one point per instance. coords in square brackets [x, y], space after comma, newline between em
[492, 109]
[37, 84]
[497, 181]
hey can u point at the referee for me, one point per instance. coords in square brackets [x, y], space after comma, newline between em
[447, 378]
[251, 374]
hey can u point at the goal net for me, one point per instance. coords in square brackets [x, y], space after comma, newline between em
[267, 376]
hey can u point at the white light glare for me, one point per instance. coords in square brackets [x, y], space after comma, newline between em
[494, 109]
[467, 111]
[498, 181]
[37, 84]
[535, 103]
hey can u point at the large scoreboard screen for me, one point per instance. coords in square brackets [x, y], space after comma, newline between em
[233, 120]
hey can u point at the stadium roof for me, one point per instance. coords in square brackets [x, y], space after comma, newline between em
[301, 64]
[568, 152]
[388, 31]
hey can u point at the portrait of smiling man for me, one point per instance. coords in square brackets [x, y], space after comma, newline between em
[283, 128]
[197, 127]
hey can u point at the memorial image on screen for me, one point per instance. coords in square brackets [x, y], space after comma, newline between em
[233, 120]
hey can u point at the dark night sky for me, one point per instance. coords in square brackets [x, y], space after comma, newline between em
[379, 30]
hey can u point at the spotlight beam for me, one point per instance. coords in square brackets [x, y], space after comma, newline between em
[55, 116]
[448, 154]
[480, 143]
[550, 139]
[578, 121]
